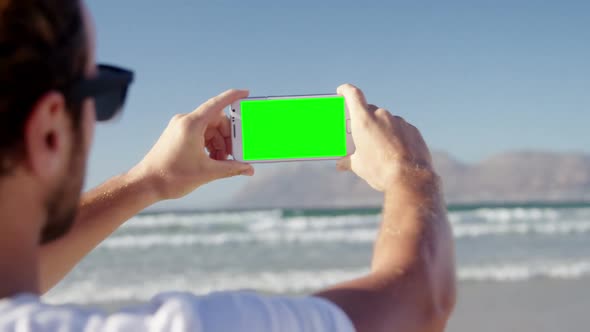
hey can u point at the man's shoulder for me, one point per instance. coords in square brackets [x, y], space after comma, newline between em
[221, 311]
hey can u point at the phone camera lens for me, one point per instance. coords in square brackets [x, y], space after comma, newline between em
[233, 110]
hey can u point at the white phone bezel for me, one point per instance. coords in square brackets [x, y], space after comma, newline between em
[236, 130]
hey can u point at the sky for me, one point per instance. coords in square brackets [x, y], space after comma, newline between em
[476, 77]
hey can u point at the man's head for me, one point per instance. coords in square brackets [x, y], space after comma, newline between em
[46, 47]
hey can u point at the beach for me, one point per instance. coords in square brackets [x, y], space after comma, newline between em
[520, 268]
[531, 306]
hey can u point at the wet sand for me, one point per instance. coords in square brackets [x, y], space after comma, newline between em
[537, 305]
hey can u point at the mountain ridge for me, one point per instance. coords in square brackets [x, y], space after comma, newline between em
[512, 176]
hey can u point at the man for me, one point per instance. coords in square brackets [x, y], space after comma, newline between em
[51, 92]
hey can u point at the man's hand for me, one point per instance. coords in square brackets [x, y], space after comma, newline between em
[387, 147]
[176, 165]
[178, 162]
[411, 286]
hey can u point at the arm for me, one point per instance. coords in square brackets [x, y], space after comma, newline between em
[411, 286]
[175, 166]
[101, 211]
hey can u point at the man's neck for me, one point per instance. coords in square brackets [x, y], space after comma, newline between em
[21, 216]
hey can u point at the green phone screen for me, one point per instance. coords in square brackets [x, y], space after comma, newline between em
[293, 128]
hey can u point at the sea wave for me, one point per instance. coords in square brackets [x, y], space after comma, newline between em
[252, 221]
[167, 220]
[521, 272]
[316, 223]
[518, 214]
[505, 215]
[274, 219]
[306, 234]
[292, 281]
[522, 228]
[267, 237]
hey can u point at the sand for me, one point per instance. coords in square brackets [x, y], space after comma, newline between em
[538, 305]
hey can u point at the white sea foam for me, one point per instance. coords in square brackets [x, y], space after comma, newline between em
[505, 215]
[519, 214]
[264, 220]
[522, 228]
[267, 237]
[306, 232]
[254, 221]
[316, 223]
[292, 281]
[199, 219]
[521, 272]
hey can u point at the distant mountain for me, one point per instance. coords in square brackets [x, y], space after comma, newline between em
[509, 177]
[522, 176]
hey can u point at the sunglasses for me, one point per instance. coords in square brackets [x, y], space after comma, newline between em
[108, 88]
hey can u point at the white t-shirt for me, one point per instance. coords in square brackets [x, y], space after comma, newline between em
[217, 312]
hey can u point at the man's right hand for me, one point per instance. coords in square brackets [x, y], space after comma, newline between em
[387, 147]
[411, 285]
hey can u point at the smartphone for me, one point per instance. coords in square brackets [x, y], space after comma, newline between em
[290, 128]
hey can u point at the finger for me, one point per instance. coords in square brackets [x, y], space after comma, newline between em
[211, 150]
[343, 164]
[213, 106]
[224, 126]
[222, 123]
[220, 132]
[222, 156]
[372, 108]
[355, 100]
[209, 147]
[218, 145]
[229, 168]
[228, 146]
[214, 136]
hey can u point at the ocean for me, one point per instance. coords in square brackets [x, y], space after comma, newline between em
[300, 251]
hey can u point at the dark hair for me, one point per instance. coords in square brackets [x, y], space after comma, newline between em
[43, 47]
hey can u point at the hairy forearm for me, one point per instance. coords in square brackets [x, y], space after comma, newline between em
[411, 286]
[414, 254]
[414, 225]
[101, 211]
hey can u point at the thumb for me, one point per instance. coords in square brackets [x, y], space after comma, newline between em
[343, 164]
[230, 168]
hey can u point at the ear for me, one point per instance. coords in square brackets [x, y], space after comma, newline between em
[47, 137]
